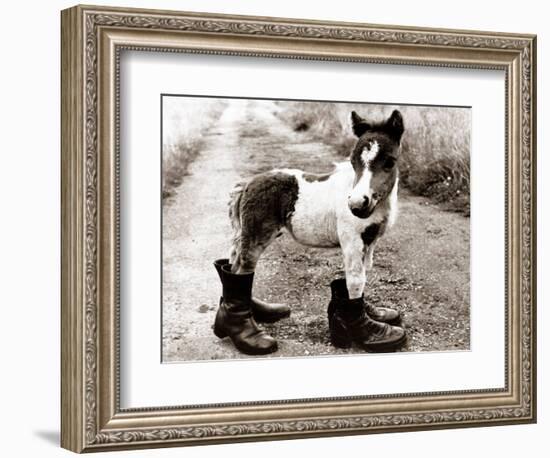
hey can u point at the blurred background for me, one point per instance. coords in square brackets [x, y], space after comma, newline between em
[435, 160]
[184, 123]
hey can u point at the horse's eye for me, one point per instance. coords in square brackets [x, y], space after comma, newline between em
[389, 163]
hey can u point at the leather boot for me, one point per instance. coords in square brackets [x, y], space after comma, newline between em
[234, 317]
[386, 315]
[263, 312]
[349, 323]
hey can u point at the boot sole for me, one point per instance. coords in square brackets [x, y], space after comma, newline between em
[385, 347]
[256, 351]
[371, 348]
[221, 334]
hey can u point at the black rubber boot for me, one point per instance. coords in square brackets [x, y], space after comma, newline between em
[384, 314]
[263, 312]
[234, 318]
[349, 323]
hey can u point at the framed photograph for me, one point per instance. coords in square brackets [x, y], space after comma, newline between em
[277, 228]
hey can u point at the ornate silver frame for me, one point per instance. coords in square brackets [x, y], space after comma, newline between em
[92, 38]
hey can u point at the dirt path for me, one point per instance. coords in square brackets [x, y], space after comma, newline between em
[421, 267]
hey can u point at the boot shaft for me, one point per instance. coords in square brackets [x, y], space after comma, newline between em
[263, 311]
[348, 309]
[234, 285]
[234, 318]
[340, 292]
[339, 289]
[349, 322]
[218, 263]
[237, 288]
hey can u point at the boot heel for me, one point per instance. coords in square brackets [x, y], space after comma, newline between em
[339, 341]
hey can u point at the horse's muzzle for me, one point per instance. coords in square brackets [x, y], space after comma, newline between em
[362, 212]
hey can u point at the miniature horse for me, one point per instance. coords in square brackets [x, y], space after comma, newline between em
[350, 207]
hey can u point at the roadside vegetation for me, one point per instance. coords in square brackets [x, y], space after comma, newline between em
[183, 132]
[435, 160]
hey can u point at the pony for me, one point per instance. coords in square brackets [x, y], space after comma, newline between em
[350, 207]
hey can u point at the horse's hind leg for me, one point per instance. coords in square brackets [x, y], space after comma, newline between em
[235, 316]
[246, 250]
[253, 231]
[369, 254]
[246, 253]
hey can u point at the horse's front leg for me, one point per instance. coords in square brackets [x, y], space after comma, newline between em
[350, 321]
[354, 265]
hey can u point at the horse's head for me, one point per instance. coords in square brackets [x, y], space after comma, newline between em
[374, 160]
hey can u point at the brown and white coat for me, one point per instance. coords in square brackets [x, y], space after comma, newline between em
[350, 207]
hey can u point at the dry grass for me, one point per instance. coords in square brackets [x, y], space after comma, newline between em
[185, 120]
[436, 145]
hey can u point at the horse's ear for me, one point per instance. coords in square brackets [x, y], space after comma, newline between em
[358, 124]
[394, 125]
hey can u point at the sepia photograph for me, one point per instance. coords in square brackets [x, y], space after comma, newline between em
[295, 228]
[277, 228]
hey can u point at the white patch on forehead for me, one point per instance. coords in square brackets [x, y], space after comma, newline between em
[361, 189]
[370, 152]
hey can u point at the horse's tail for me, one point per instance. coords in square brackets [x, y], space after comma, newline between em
[235, 217]
[235, 205]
